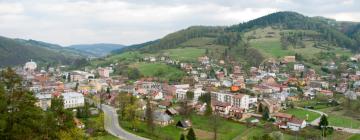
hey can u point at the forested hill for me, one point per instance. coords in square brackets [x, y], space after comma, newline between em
[332, 30]
[293, 20]
[17, 52]
[272, 36]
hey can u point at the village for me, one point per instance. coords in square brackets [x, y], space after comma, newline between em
[284, 93]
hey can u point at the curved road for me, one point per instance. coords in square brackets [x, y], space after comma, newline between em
[112, 125]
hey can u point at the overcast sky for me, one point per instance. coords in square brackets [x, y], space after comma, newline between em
[127, 22]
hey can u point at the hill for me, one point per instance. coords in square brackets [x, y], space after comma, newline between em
[273, 35]
[97, 50]
[18, 51]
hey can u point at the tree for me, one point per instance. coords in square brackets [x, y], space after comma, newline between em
[208, 109]
[215, 124]
[182, 137]
[134, 74]
[69, 77]
[149, 115]
[76, 86]
[323, 124]
[191, 135]
[266, 113]
[189, 95]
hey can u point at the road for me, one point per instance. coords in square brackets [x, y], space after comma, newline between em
[317, 120]
[112, 125]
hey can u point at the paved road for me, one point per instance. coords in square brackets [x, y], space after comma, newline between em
[112, 125]
[317, 120]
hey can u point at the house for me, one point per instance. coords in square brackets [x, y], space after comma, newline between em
[73, 99]
[326, 92]
[162, 119]
[299, 67]
[289, 59]
[197, 93]
[235, 100]
[103, 72]
[204, 60]
[44, 101]
[273, 105]
[164, 104]
[350, 95]
[171, 111]
[184, 124]
[296, 124]
[282, 117]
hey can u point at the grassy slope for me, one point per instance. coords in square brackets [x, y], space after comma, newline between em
[271, 47]
[299, 113]
[158, 69]
[338, 118]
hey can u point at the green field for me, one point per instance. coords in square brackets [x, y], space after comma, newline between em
[105, 137]
[185, 54]
[338, 118]
[354, 137]
[301, 114]
[271, 46]
[159, 70]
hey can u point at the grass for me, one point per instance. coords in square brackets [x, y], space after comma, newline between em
[185, 54]
[338, 118]
[105, 137]
[159, 70]
[354, 137]
[227, 130]
[271, 47]
[301, 114]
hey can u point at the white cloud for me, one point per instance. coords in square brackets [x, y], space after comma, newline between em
[127, 22]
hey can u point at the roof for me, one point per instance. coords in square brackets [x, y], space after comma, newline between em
[296, 121]
[160, 116]
[283, 115]
[70, 95]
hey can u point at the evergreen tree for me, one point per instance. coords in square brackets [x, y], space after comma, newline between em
[191, 135]
[323, 121]
[266, 113]
[182, 137]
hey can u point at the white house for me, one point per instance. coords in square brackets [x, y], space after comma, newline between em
[73, 99]
[197, 93]
[181, 93]
[296, 124]
[235, 100]
[299, 67]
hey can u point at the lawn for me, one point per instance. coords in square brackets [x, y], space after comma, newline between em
[338, 118]
[227, 129]
[185, 54]
[354, 137]
[105, 137]
[159, 70]
[300, 113]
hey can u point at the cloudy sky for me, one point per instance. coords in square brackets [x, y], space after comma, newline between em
[127, 22]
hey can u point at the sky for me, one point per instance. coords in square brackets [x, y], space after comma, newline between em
[67, 22]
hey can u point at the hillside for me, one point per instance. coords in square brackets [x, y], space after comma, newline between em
[274, 35]
[97, 50]
[17, 52]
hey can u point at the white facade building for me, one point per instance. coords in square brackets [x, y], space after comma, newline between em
[73, 99]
